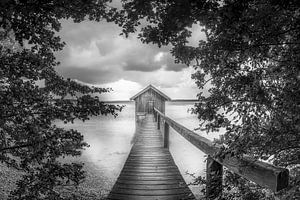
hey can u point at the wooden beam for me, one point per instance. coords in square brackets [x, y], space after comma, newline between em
[166, 135]
[158, 122]
[159, 113]
[264, 174]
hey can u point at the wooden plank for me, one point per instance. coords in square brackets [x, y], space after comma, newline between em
[159, 155]
[144, 162]
[144, 166]
[150, 171]
[152, 150]
[151, 187]
[148, 163]
[157, 171]
[158, 192]
[152, 178]
[155, 160]
[150, 174]
[262, 173]
[151, 160]
[139, 197]
[148, 168]
[157, 182]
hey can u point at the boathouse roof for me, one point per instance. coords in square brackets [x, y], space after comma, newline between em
[154, 89]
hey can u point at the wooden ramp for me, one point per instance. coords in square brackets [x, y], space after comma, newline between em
[149, 171]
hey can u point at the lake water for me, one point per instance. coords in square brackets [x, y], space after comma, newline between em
[110, 141]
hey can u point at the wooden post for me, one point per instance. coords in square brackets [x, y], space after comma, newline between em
[158, 122]
[155, 116]
[166, 135]
[214, 173]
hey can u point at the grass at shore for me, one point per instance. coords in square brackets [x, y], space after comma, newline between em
[8, 179]
[95, 187]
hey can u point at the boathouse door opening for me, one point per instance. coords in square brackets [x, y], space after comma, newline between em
[150, 106]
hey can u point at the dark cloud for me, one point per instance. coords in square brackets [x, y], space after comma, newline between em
[152, 60]
[87, 75]
[171, 65]
[105, 47]
[142, 67]
[95, 53]
[84, 32]
[175, 67]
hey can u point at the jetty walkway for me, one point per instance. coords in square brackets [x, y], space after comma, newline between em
[150, 171]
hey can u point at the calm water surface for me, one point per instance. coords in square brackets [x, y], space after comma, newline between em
[110, 141]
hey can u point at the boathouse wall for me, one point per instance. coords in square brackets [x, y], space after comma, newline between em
[145, 102]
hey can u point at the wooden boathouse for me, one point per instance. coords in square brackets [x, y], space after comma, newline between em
[150, 172]
[148, 99]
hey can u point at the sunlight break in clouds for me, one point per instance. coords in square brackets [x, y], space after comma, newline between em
[122, 90]
[158, 57]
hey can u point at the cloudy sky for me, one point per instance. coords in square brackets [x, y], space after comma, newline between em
[96, 54]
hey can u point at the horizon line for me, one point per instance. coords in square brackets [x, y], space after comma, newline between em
[133, 100]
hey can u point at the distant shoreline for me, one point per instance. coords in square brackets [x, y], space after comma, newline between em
[184, 100]
[128, 101]
[173, 100]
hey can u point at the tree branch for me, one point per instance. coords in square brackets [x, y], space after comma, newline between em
[17, 146]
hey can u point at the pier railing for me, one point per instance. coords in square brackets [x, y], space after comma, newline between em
[264, 174]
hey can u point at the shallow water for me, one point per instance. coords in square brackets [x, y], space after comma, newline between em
[189, 159]
[110, 141]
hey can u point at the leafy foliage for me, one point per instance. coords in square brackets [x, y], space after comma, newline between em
[235, 187]
[29, 139]
[249, 63]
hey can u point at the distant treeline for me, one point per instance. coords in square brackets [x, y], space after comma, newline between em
[128, 101]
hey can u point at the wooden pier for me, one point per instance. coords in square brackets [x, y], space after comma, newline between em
[150, 171]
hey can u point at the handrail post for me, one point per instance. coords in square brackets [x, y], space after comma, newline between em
[166, 135]
[158, 122]
[155, 116]
[214, 175]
